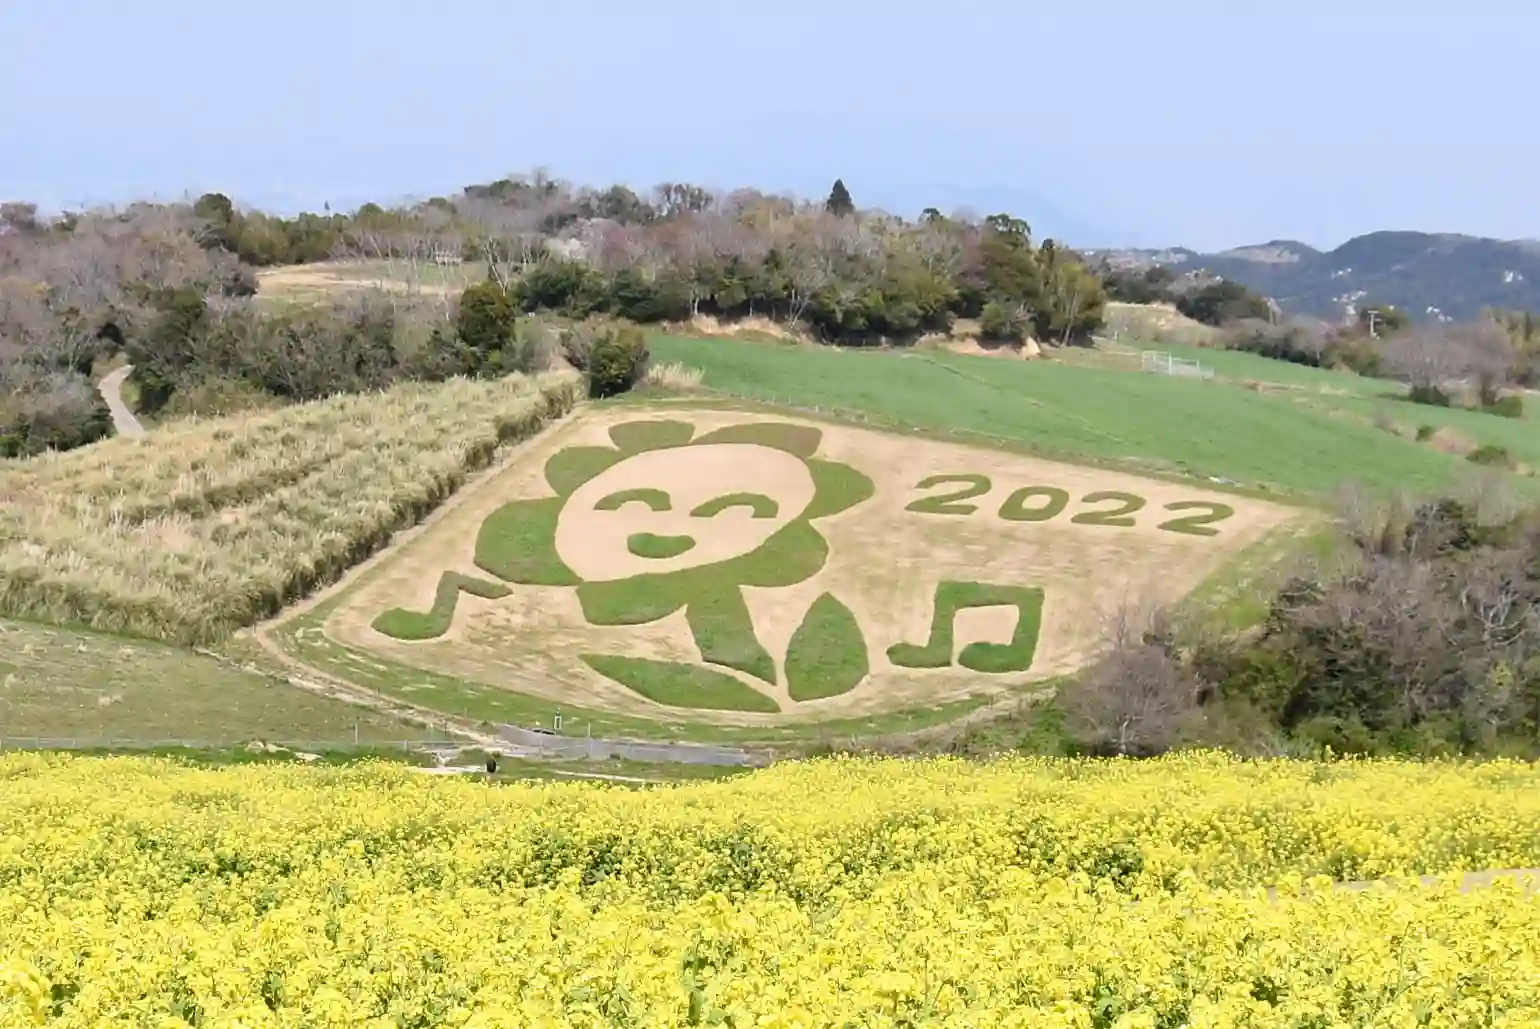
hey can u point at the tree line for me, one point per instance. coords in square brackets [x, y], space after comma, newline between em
[847, 275]
[172, 287]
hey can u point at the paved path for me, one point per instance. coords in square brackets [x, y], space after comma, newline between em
[111, 389]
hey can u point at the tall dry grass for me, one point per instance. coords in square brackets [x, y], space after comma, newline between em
[207, 526]
[675, 376]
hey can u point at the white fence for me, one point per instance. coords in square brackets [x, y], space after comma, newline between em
[1161, 362]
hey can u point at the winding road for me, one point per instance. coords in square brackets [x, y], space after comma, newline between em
[111, 389]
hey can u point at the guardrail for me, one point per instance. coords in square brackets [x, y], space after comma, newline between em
[527, 742]
[589, 748]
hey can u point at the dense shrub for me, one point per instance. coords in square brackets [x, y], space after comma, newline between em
[1355, 354]
[842, 280]
[1509, 405]
[1139, 700]
[1433, 396]
[486, 318]
[171, 286]
[1304, 342]
[1297, 344]
[647, 298]
[217, 397]
[1490, 454]
[48, 410]
[576, 344]
[1220, 303]
[537, 347]
[999, 324]
[344, 344]
[617, 360]
[569, 287]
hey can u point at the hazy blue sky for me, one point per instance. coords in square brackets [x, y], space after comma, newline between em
[1197, 122]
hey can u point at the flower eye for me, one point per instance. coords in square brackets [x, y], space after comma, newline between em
[653, 498]
[761, 505]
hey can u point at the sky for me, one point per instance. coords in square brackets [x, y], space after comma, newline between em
[1103, 122]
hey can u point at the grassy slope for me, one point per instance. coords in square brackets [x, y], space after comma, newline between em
[1340, 393]
[1304, 442]
[92, 686]
[1243, 367]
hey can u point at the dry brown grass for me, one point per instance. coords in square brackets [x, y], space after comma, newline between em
[206, 526]
[753, 328]
[675, 377]
[1156, 323]
[1451, 441]
[301, 283]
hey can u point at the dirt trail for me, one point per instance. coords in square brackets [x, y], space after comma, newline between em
[111, 389]
[301, 676]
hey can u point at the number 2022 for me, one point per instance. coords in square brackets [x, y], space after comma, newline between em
[1043, 503]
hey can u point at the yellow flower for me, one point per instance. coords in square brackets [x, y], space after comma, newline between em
[1025, 893]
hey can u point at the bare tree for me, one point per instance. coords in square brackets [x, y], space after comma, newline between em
[939, 245]
[1139, 699]
[507, 237]
[1479, 353]
[680, 199]
[1420, 357]
[19, 217]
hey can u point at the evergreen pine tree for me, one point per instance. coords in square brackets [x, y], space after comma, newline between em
[839, 203]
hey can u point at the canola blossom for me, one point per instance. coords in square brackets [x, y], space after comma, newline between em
[1022, 893]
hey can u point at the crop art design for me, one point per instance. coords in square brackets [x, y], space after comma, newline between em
[665, 521]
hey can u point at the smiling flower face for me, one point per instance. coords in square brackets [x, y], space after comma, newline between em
[665, 521]
[668, 510]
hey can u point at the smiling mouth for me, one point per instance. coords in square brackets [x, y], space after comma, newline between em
[658, 548]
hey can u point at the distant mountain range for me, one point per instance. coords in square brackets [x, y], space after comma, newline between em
[1430, 276]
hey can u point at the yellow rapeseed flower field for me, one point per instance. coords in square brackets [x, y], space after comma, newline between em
[1023, 893]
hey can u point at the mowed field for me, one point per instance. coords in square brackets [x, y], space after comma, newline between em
[743, 569]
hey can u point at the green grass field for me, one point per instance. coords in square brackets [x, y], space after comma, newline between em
[92, 687]
[1303, 442]
[1369, 400]
[1239, 366]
